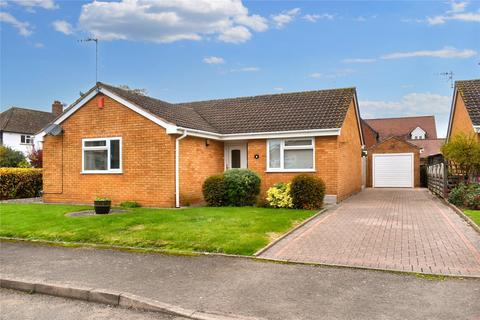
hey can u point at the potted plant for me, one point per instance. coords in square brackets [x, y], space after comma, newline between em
[102, 205]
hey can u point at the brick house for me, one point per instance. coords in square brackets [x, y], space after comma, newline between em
[123, 145]
[465, 112]
[396, 149]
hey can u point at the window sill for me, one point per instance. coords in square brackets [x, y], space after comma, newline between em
[290, 170]
[101, 172]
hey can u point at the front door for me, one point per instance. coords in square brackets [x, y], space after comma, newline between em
[236, 155]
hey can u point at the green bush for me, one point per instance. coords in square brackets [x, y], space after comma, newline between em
[10, 158]
[18, 183]
[457, 194]
[130, 204]
[214, 190]
[242, 187]
[307, 192]
[466, 195]
[279, 196]
[235, 187]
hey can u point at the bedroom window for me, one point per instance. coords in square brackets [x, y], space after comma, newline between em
[290, 155]
[102, 155]
[26, 139]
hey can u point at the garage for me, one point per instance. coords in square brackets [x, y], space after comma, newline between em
[393, 170]
[393, 163]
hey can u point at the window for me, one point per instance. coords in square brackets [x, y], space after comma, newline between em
[103, 155]
[290, 155]
[26, 139]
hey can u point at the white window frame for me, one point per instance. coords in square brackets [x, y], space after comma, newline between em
[282, 158]
[107, 147]
[27, 138]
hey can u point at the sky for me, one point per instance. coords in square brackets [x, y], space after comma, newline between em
[393, 52]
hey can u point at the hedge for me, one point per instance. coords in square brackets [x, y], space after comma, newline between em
[307, 192]
[16, 183]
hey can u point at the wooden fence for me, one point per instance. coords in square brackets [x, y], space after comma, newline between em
[443, 176]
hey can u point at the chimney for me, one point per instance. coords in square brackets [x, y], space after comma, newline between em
[57, 108]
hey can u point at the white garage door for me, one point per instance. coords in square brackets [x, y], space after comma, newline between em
[393, 170]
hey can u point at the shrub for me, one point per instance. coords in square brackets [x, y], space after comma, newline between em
[214, 190]
[466, 195]
[130, 204]
[36, 158]
[279, 196]
[10, 158]
[242, 186]
[307, 192]
[18, 183]
[464, 150]
[457, 194]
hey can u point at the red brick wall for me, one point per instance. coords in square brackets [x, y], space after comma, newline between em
[148, 158]
[394, 146]
[197, 162]
[325, 164]
[349, 156]
[461, 119]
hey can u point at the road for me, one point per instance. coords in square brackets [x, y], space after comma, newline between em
[23, 306]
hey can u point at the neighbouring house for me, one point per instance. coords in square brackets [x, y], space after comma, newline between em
[396, 149]
[465, 111]
[18, 126]
[116, 143]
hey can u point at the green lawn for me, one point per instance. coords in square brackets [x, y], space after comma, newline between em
[474, 215]
[227, 230]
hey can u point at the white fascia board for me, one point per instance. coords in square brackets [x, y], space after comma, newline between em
[359, 122]
[261, 135]
[169, 127]
[452, 111]
[477, 129]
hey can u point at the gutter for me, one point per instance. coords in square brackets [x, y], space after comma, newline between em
[177, 168]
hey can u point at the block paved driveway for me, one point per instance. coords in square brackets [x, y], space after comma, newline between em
[392, 229]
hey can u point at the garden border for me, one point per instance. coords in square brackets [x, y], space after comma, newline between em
[462, 215]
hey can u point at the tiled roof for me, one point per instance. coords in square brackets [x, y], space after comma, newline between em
[430, 146]
[470, 91]
[402, 127]
[21, 120]
[322, 109]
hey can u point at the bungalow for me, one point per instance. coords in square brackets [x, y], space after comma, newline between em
[120, 144]
[465, 112]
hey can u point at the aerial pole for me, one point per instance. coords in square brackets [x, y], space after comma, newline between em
[96, 54]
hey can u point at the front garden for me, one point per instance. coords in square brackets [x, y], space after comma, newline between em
[234, 230]
[236, 221]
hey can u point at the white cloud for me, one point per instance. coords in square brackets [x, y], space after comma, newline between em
[361, 19]
[213, 60]
[359, 60]
[456, 13]
[285, 17]
[458, 6]
[446, 52]
[38, 45]
[278, 89]
[316, 17]
[165, 21]
[331, 75]
[23, 28]
[63, 27]
[30, 4]
[246, 69]
[410, 105]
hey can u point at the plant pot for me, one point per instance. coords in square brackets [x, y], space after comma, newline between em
[102, 207]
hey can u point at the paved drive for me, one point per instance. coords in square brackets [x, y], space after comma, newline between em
[248, 287]
[394, 229]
